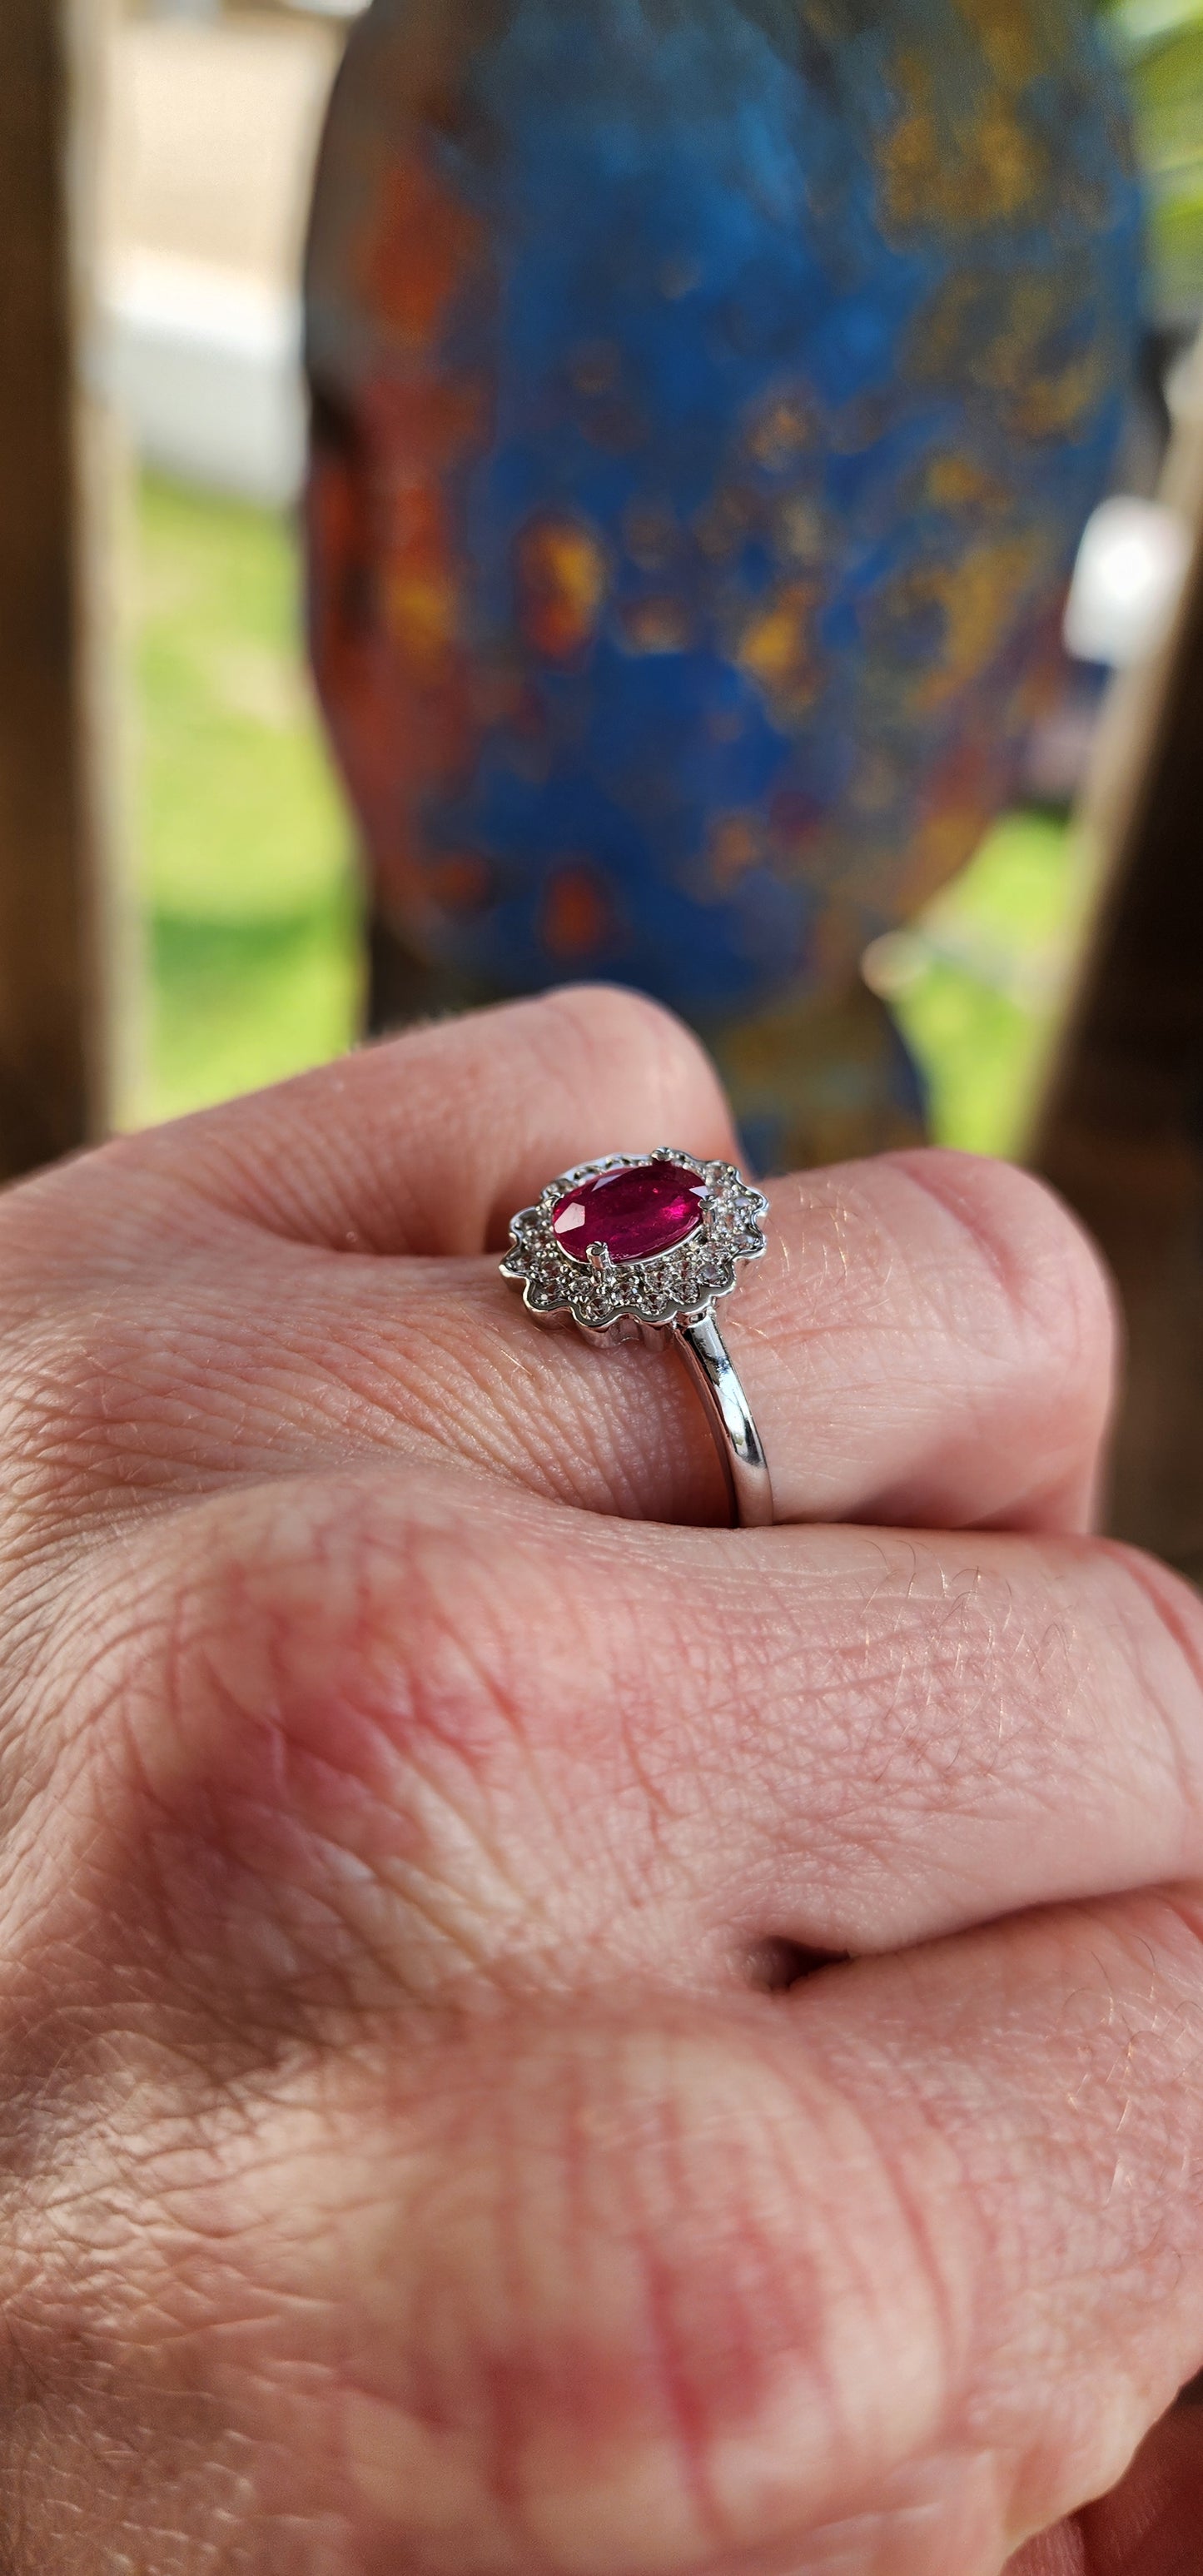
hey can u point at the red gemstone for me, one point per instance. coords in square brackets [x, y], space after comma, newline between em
[635, 1211]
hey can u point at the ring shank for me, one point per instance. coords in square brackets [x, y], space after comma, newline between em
[736, 1438]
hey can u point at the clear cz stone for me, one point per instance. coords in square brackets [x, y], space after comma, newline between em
[636, 1211]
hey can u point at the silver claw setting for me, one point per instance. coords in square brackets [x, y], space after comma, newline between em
[614, 1301]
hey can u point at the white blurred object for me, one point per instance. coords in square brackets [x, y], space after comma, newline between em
[215, 131]
[204, 367]
[1127, 581]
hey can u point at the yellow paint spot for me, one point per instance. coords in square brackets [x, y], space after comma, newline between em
[957, 173]
[736, 844]
[1009, 344]
[1015, 48]
[562, 580]
[776, 648]
[1055, 405]
[957, 483]
[979, 596]
[422, 618]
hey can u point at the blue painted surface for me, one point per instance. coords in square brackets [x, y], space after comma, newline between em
[803, 333]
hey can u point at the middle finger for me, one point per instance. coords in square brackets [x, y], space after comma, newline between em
[927, 1342]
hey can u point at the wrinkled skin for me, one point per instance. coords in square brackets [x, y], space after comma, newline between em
[425, 2152]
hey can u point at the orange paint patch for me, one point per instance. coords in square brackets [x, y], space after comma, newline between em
[422, 622]
[438, 418]
[419, 253]
[460, 881]
[736, 844]
[417, 430]
[579, 916]
[562, 580]
[418, 579]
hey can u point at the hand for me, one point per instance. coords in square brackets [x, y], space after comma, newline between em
[425, 2153]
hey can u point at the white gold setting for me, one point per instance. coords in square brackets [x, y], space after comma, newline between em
[667, 1298]
[618, 1301]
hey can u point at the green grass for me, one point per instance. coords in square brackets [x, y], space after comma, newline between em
[983, 976]
[249, 896]
[244, 847]
[1160, 47]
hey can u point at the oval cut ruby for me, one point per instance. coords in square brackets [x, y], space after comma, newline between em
[638, 1210]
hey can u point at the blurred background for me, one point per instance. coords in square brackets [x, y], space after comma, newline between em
[238, 840]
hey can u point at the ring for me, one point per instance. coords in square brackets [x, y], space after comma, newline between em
[640, 1247]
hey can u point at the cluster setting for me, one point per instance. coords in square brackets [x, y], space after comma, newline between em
[631, 1245]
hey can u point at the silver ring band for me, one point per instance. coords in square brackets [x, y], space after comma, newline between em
[728, 1412]
[642, 1246]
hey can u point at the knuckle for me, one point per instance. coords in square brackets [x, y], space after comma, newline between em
[651, 2354]
[1052, 1279]
[300, 1734]
[579, 2296]
[95, 1412]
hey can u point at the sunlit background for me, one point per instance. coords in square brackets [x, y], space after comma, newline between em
[243, 851]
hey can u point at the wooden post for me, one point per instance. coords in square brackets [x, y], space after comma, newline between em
[1121, 1130]
[52, 728]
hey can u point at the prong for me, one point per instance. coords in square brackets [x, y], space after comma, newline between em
[598, 1257]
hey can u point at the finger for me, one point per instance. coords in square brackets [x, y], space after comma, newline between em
[882, 2280]
[714, 1763]
[836, 1743]
[928, 1341]
[427, 1144]
[981, 2156]
[924, 2165]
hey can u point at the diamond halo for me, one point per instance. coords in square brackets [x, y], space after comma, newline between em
[637, 1299]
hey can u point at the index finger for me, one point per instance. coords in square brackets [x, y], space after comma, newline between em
[428, 1142]
[928, 1342]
